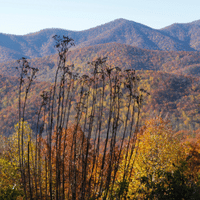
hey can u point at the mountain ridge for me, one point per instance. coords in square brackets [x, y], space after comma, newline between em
[176, 37]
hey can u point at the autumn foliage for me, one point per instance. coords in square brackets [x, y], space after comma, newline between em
[90, 142]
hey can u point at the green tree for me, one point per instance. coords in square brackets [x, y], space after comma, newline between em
[172, 185]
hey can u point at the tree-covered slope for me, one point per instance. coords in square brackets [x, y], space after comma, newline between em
[176, 97]
[121, 55]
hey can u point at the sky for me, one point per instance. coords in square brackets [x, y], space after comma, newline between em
[21, 17]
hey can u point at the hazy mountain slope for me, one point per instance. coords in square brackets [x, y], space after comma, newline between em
[120, 55]
[189, 33]
[177, 37]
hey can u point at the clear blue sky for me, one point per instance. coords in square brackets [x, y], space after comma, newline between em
[25, 16]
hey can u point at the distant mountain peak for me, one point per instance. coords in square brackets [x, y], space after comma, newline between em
[121, 20]
[196, 22]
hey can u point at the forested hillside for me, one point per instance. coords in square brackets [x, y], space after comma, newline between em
[124, 56]
[171, 78]
[9, 103]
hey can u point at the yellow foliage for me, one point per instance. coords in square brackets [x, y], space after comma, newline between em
[156, 149]
[10, 176]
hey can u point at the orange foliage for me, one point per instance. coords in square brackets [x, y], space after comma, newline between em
[68, 151]
[192, 146]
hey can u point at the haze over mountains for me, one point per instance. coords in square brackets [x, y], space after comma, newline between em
[177, 37]
[121, 55]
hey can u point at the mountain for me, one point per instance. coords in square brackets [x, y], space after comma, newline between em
[177, 37]
[188, 33]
